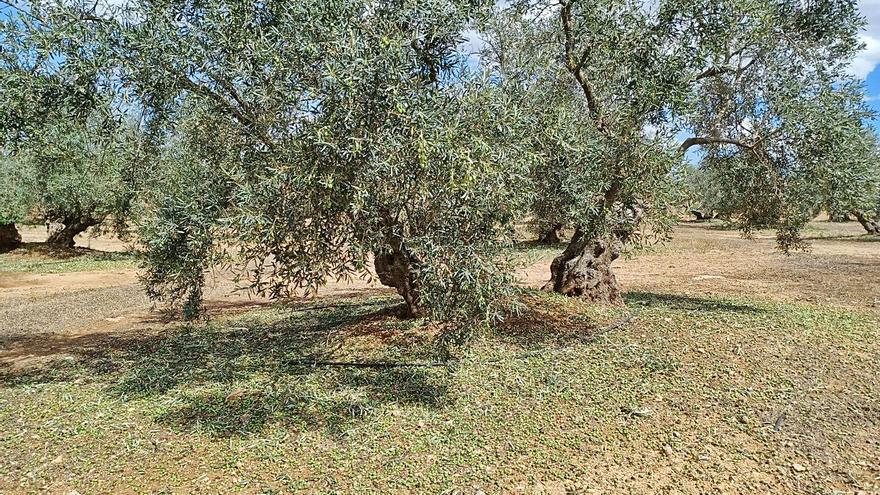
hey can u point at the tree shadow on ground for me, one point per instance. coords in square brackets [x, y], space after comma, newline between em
[850, 238]
[554, 321]
[42, 249]
[688, 303]
[236, 377]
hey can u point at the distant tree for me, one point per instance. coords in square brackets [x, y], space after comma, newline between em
[705, 194]
[60, 119]
[761, 86]
[855, 189]
[15, 199]
[306, 140]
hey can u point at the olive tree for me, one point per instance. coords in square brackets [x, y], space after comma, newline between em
[15, 199]
[759, 87]
[311, 141]
[60, 119]
[855, 189]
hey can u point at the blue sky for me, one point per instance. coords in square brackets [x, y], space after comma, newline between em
[866, 64]
[865, 67]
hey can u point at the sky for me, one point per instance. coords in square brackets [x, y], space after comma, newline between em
[865, 67]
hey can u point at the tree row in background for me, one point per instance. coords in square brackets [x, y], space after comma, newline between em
[301, 142]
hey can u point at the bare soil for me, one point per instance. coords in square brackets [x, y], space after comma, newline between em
[841, 266]
[745, 371]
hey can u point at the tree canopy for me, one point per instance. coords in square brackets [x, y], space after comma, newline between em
[305, 141]
[625, 89]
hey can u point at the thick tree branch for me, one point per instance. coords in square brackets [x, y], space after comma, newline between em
[239, 112]
[704, 140]
[573, 63]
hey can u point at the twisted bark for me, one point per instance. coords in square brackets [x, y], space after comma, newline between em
[394, 268]
[871, 225]
[9, 237]
[65, 236]
[584, 270]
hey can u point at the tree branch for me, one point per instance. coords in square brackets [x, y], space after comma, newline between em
[575, 65]
[238, 113]
[704, 140]
[21, 10]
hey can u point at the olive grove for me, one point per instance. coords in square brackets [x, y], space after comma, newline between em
[300, 142]
[760, 87]
[72, 146]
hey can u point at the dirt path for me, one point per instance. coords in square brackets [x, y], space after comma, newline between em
[843, 268]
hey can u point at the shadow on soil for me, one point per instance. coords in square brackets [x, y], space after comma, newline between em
[847, 238]
[237, 376]
[687, 303]
[64, 253]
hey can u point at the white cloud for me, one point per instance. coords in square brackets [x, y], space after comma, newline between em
[869, 58]
[864, 62]
[473, 43]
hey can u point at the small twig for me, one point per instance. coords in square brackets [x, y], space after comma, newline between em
[622, 322]
[369, 364]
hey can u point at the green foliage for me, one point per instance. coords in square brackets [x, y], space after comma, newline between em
[349, 130]
[761, 85]
[82, 171]
[62, 119]
[705, 192]
[16, 191]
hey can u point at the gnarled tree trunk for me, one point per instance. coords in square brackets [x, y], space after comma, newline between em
[550, 235]
[395, 269]
[703, 215]
[64, 237]
[871, 225]
[9, 237]
[584, 270]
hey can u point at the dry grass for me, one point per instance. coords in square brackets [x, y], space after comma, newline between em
[766, 380]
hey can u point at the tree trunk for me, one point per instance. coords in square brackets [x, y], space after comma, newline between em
[703, 216]
[871, 225]
[9, 237]
[64, 237]
[584, 270]
[395, 269]
[838, 216]
[550, 235]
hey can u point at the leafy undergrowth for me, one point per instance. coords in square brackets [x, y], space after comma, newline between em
[42, 258]
[694, 395]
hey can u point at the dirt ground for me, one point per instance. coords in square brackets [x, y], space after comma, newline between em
[715, 381]
[702, 258]
[841, 268]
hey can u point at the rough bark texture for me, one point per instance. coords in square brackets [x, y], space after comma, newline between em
[838, 217]
[871, 225]
[551, 234]
[584, 270]
[64, 237]
[9, 237]
[394, 269]
[703, 215]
